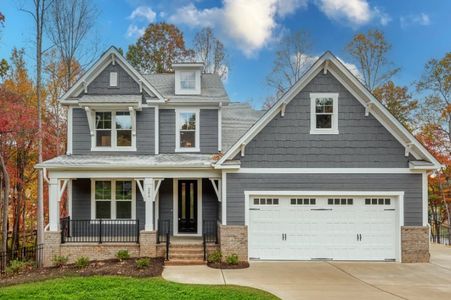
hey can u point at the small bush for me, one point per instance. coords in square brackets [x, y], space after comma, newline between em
[215, 257]
[142, 263]
[232, 259]
[122, 255]
[16, 266]
[82, 262]
[59, 260]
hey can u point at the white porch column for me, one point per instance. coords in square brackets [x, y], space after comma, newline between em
[54, 211]
[149, 197]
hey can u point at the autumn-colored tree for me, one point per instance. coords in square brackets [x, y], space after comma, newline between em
[3, 63]
[370, 51]
[161, 45]
[210, 51]
[398, 101]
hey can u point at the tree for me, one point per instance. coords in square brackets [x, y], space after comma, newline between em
[397, 100]
[211, 52]
[290, 63]
[69, 23]
[3, 63]
[370, 51]
[161, 45]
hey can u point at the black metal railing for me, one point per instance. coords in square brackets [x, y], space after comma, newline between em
[209, 234]
[164, 234]
[441, 235]
[32, 254]
[99, 231]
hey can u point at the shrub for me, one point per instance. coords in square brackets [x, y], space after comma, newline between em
[59, 260]
[82, 262]
[16, 266]
[142, 263]
[122, 255]
[232, 259]
[215, 257]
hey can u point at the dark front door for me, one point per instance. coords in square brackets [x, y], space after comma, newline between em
[187, 203]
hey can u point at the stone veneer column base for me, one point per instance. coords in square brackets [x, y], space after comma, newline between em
[415, 244]
[52, 246]
[148, 243]
[233, 240]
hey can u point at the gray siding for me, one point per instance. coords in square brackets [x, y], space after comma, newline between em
[411, 184]
[166, 201]
[362, 141]
[81, 202]
[145, 133]
[209, 201]
[167, 130]
[101, 85]
[208, 131]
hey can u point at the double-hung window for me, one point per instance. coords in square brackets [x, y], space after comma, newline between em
[187, 130]
[188, 80]
[324, 113]
[114, 131]
[113, 199]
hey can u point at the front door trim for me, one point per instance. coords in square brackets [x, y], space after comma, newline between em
[175, 205]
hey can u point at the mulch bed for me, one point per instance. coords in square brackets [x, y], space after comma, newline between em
[226, 266]
[103, 267]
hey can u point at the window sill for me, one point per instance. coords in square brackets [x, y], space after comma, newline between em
[326, 131]
[187, 150]
[110, 149]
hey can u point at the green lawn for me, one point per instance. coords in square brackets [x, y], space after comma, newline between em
[111, 287]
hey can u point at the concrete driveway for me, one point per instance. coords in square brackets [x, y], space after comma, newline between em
[333, 280]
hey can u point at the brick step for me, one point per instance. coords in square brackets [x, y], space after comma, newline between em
[186, 256]
[186, 250]
[184, 262]
[200, 246]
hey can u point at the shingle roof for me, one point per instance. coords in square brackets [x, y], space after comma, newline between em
[129, 161]
[237, 118]
[212, 88]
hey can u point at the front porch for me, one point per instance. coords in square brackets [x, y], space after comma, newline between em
[154, 213]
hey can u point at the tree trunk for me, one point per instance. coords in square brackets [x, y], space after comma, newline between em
[5, 205]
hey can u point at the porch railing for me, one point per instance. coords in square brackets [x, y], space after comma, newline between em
[209, 234]
[164, 234]
[99, 231]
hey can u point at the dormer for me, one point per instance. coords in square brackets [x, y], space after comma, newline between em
[187, 78]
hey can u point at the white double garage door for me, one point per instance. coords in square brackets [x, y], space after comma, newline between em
[308, 227]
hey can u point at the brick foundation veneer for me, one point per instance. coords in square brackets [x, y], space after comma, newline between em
[97, 251]
[148, 243]
[233, 239]
[52, 242]
[415, 244]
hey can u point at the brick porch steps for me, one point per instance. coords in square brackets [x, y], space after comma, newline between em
[187, 252]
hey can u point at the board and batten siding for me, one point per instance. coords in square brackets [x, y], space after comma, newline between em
[286, 141]
[145, 133]
[208, 133]
[410, 184]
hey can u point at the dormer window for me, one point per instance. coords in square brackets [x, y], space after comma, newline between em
[187, 80]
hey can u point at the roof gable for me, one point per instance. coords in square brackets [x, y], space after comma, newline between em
[113, 56]
[329, 63]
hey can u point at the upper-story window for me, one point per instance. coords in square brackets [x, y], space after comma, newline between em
[114, 130]
[187, 130]
[113, 79]
[324, 113]
[187, 80]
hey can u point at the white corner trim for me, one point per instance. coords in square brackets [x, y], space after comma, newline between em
[334, 128]
[220, 127]
[69, 130]
[157, 129]
[177, 127]
[224, 198]
[425, 198]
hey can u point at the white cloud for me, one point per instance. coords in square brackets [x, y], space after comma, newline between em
[287, 7]
[421, 19]
[143, 12]
[193, 17]
[355, 12]
[135, 31]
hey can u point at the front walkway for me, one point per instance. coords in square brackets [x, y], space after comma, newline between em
[333, 280]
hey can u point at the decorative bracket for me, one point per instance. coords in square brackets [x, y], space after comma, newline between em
[133, 117]
[326, 65]
[282, 110]
[140, 86]
[85, 87]
[62, 189]
[90, 121]
[368, 108]
[156, 188]
[408, 147]
[113, 59]
[216, 187]
[243, 147]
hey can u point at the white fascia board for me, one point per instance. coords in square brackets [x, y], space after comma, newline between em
[137, 174]
[324, 193]
[273, 111]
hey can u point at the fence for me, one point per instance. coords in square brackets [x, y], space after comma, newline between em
[33, 254]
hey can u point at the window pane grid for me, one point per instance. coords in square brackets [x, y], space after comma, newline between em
[121, 198]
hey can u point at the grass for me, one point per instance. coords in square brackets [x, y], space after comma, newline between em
[113, 287]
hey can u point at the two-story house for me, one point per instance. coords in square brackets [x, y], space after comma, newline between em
[161, 160]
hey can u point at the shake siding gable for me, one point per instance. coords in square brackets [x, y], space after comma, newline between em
[286, 141]
[126, 85]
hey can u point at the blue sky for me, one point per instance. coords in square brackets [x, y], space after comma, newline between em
[419, 30]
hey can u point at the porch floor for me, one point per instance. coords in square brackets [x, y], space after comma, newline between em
[181, 240]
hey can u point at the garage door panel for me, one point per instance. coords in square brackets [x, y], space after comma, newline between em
[323, 227]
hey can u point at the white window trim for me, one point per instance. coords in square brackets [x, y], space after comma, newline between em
[113, 198]
[114, 146]
[175, 213]
[193, 72]
[178, 85]
[313, 129]
[177, 131]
